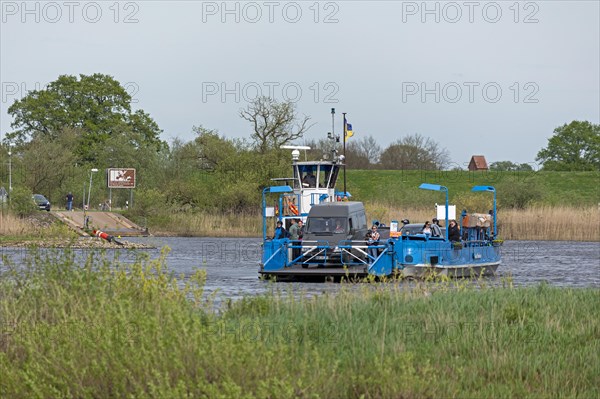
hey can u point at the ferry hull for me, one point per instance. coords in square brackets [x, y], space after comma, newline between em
[470, 270]
[327, 273]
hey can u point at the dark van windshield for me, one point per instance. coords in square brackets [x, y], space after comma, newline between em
[336, 225]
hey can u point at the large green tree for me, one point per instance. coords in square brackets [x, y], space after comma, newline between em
[95, 106]
[573, 147]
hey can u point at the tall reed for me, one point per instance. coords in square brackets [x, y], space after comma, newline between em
[552, 223]
[13, 225]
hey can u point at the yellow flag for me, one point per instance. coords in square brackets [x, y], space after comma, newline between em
[349, 132]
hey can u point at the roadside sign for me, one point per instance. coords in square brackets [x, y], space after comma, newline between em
[121, 178]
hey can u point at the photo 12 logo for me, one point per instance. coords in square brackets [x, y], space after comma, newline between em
[452, 12]
[455, 92]
[270, 12]
[12, 91]
[287, 91]
[52, 12]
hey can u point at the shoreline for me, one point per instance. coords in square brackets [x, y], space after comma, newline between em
[95, 243]
[81, 243]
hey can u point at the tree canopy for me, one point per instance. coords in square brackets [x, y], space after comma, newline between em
[414, 152]
[510, 166]
[97, 107]
[573, 147]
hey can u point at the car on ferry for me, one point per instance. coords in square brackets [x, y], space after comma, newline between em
[334, 224]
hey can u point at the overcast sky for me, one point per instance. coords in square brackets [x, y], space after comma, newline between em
[491, 78]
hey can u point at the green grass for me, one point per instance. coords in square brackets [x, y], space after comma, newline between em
[104, 329]
[401, 187]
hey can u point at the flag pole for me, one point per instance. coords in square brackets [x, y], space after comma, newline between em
[333, 122]
[343, 113]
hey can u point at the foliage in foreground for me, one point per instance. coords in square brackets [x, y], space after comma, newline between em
[76, 326]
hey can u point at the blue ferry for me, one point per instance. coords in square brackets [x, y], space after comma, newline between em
[335, 245]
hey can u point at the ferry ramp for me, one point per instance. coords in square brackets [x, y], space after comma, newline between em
[109, 222]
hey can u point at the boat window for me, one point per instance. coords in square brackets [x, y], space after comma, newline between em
[297, 177]
[332, 175]
[336, 225]
[308, 174]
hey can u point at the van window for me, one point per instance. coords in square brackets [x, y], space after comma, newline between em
[326, 225]
[362, 220]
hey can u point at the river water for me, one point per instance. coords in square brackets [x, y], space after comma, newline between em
[232, 264]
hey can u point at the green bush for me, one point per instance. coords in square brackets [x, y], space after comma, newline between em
[148, 201]
[21, 201]
[519, 194]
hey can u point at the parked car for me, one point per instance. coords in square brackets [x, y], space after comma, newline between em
[41, 202]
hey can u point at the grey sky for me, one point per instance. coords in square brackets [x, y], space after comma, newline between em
[369, 59]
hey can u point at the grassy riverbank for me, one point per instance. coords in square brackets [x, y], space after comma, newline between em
[400, 188]
[36, 227]
[108, 330]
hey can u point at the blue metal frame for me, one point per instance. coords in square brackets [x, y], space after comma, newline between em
[269, 190]
[437, 187]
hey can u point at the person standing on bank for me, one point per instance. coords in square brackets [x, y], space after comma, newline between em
[69, 202]
[436, 231]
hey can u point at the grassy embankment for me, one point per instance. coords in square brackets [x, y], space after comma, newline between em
[108, 330]
[559, 205]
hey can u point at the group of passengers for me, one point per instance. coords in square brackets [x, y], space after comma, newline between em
[433, 229]
[295, 233]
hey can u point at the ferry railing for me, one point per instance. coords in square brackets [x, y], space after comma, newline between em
[318, 252]
[359, 246]
[320, 247]
[274, 254]
[373, 264]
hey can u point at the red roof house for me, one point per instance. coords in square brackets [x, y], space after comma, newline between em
[478, 162]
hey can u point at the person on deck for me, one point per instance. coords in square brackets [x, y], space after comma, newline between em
[436, 231]
[280, 231]
[427, 229]
[453, 231]
[294, 233]
[372, 241]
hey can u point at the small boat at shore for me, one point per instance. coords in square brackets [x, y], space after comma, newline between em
[334, 244]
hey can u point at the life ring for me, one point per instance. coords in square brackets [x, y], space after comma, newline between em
[294, 209]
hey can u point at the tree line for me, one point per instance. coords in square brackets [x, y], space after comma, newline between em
[78, 123]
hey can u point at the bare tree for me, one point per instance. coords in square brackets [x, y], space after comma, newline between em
[415, 152]
[274, 123]
[368, 148]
